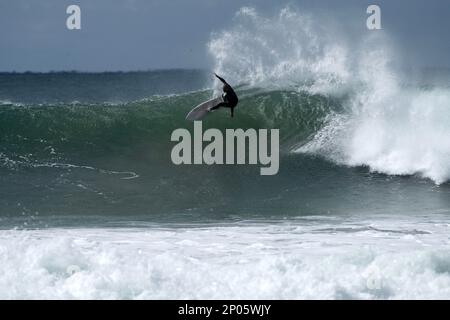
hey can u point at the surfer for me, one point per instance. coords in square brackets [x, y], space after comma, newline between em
[230, 99]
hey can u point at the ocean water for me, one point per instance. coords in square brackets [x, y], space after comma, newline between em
[91, 205]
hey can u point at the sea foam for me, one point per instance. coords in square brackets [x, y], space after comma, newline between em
[305, 260]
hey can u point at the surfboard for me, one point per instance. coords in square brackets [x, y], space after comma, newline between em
[202, 109]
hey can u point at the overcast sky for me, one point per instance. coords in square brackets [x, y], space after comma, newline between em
[153, 34]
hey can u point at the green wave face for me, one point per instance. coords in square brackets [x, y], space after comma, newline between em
[92, 159]
[80, 130]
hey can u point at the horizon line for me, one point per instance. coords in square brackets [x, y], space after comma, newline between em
[104, 71]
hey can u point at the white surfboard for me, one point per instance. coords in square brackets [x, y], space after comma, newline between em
[202, 109]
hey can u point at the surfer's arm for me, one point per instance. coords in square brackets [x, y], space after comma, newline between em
[221, 79]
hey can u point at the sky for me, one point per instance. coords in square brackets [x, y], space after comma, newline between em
[163, 34]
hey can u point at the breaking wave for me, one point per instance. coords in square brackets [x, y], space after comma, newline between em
[383, 123]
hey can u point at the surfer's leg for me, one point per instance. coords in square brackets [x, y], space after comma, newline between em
[222, 104]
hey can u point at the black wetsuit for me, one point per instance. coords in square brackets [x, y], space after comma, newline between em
[230, 99]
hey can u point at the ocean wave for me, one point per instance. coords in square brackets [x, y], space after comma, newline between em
[65, 129]
[385, 125]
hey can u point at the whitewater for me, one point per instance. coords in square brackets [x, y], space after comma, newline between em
[310, 258]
